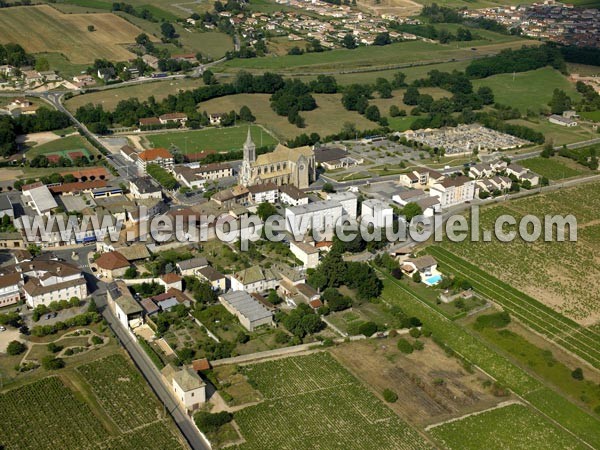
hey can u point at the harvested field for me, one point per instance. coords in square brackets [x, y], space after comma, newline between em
[417, 379]
[67, 33]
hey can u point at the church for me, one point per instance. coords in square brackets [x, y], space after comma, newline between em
[295, 166]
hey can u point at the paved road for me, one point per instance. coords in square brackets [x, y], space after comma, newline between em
[153, 377]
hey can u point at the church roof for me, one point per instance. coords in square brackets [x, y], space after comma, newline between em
[283, 153]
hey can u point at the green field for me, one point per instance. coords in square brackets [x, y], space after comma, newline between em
[313, 402]
[372, 56]
[557, 134]
[551, 168]
[219, 139]
[513, 426]
[528, 90]
[481, 354]
[62, 147]
[594, 116]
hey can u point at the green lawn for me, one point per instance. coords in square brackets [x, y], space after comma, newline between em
[557, 134]
[511, 427]
[219, 139]
[401, 123]
[551, 168]
[528, 90]
[591, 115]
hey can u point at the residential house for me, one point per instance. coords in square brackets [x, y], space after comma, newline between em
[261, 193]
[188, 387]
[150, 122]
[254, 279]
[321, 216]
[425, 265]
[215, 118]
[159, 156]
[380, 212]
[562, 121]
[190, 267]
[144, 188]
[430, 206]
[40, 199]
[171, 280]
[306, 253]
[409, 196]
[292, 196]
[173, 118]
[453, 191]
[217, 280]
[10, 285]
[348, 200]
[420, 178]
[11, 239]
[122, 304]
[112, 265]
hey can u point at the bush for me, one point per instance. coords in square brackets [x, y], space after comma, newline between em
[51, 363]
[404, 346]
[415, 332]
[15, 348]
[97, 340]
[242, 337]
[367, 328]
[577, 374]
[390, 396]
[418, 345]
[208, 422]
[54, 348]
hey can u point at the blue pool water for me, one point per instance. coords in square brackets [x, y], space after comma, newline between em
[434, 279]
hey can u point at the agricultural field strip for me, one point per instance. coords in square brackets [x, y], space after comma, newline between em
[530, 396]
[475, 413]
[548, 324]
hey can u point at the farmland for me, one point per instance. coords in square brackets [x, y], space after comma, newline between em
[553, 168]
[564, 275]
[67, 33]
[480, 354]
[219, 139]
[111, 97]
[528, 90]
[372, 56]
[313, 402]
[326, 119]
[514, 426]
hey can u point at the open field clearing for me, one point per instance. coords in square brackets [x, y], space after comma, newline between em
[562, 275]
[583, 69]
[401, 8]
[557, 134]
[219, 139]
[111, 97]
[328, 118]
[313, 402]
[556, 168]
[67, 33]
[433, 386]
[514, 426]
[528, 90]
[481, 354]
[371, 56]
[594, 116]
[384, 103]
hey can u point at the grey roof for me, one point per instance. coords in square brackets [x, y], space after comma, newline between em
[192, 263]
[246, 305]
[145, 185]
[167, 304]
[326, 154]
[187, 379]
[313, 207]
[428, 202]
[5, 203]
[42, 197]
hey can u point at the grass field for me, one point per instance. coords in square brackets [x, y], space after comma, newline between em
[557, 134]
[563, 275]
[528, 90]
[477, 352]
[219, 139]
[67, 33]
[328, 118]
[372, 56]
[313, 402]
[594, 116]
[62, 146]
[111, 97]
[552, 168]
[513, 426]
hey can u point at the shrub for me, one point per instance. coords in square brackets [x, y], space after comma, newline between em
[54, 347]
[390, 396]
[577, 374]
[208, 422]
[51, 363]
[368, 328]
[97, 340]
[415, 332]
[418, 345]
[404, 346]
[15, 348]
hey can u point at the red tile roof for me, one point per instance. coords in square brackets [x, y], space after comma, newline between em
[200, 364]
[78, 187]
[171, 278]
[155, 153]
[111, 261]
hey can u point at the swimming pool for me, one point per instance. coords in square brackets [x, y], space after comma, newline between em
[434, 279]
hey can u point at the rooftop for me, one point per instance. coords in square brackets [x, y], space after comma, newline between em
[246, 305]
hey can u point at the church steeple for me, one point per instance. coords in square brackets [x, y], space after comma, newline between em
[249, 149]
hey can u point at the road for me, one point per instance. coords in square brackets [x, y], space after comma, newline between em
[154, 378]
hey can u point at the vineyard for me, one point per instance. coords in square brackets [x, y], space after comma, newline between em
[151, 437]
[563, 331]
[313, 402]
[46, 415]
[554, 406]
[514, 426]
[121, 391]
[565, 276]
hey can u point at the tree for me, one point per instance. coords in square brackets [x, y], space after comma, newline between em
[15, 348]
[167, 30]
[209, 422]
[382, 39]
[560, 102]
[399, 80]
[367, 329]
[91, 28]
[131, 272]
[416, 277]
[372, 113]
[486, 95]
[246, 115]
[266, 210]
[404, 346]
[577, 374]
[35, 250]
[51, 363]
[394, 111]
[390, 396]
[411, 96]
[411, 210]
[209, 77]
[349, 41]
[328, 187]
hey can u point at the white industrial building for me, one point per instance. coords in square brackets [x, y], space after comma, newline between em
[247, 309]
